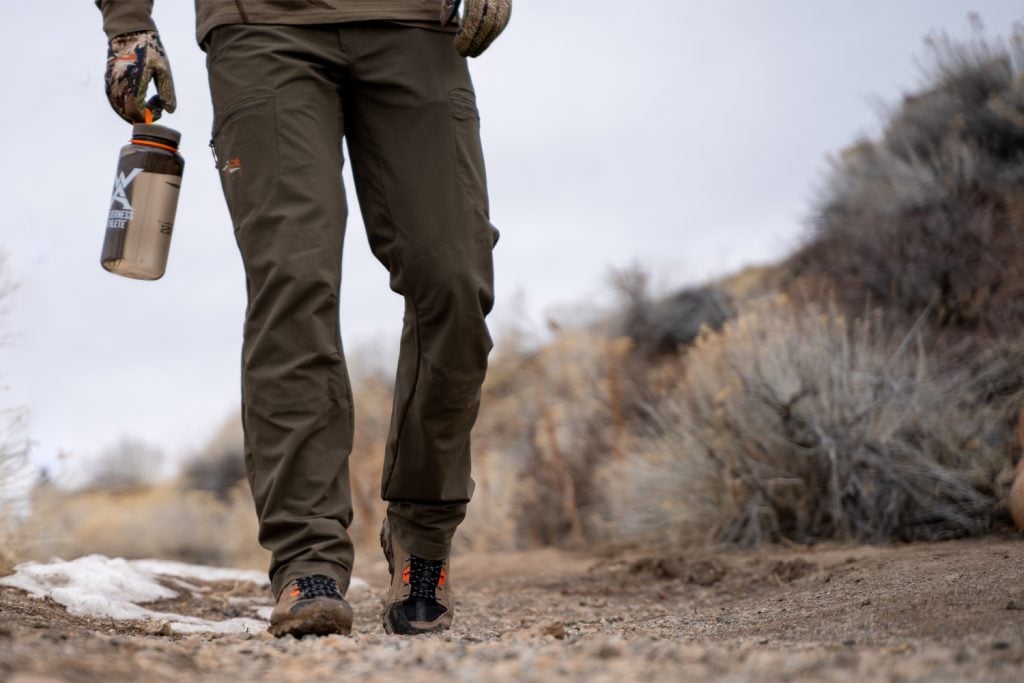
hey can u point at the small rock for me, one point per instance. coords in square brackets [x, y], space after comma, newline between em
[556, 630]
[659, 567]
[849, 642]
[792, 570]
[706, 573]
[1001, 645]
[159, 628]
[1014, 606]
[609, 651]
[865, 603]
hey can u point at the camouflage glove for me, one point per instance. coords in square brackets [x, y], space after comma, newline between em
[482, 22]
[133, 60]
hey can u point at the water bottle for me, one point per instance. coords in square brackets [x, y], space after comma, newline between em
[142, 206]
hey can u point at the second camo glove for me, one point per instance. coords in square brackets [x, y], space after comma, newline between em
[482, 22]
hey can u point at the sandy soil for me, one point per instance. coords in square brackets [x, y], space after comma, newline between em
[939, 612]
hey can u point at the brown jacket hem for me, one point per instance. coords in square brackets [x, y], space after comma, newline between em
[128, 16]
[230, 16]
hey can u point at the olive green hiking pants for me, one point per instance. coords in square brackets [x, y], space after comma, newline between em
[283, 98]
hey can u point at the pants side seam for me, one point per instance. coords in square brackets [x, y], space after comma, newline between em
[401, 420]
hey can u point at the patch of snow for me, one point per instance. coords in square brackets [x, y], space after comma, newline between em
[91, 585]
[183, 624]
[201, 572]
[98, 586]
[115, 588]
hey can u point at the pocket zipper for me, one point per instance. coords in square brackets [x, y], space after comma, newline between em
[232, 113]
[238, 109]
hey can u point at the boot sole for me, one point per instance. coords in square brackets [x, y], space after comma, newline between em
[321, 623]
[396, 624]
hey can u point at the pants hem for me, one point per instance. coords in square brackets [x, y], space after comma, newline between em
[429, 545]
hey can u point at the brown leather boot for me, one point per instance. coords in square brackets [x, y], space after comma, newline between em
[419, 598]
[311, 605]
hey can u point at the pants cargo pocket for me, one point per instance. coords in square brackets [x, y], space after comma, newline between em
[245, 144]
[469, 154]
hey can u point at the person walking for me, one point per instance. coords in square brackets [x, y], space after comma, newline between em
[289, 80]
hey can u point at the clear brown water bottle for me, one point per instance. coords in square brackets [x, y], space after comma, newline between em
[143, 204]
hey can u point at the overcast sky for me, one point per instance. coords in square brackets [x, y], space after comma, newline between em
[684, 135]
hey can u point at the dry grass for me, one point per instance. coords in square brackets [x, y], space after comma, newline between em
[162, 521]
[13, 455]
[794, 424]
[549, 419]
[13, 487]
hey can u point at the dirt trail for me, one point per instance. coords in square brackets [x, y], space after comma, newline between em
[941, 611]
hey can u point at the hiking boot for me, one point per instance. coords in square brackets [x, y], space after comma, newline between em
[419, 599]
[311, 605]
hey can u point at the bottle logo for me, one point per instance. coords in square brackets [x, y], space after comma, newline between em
[121, 188]
[118, 218]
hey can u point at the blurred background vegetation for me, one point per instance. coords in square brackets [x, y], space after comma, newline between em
[866, 388]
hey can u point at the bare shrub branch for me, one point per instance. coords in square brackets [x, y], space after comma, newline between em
[796, 424]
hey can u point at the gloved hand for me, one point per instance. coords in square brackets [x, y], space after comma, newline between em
[482, 22]
[134, 59]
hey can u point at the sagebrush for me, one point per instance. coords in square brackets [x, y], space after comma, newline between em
[797, 424]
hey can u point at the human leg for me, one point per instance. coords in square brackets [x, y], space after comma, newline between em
[413, 135]
[277, 134]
